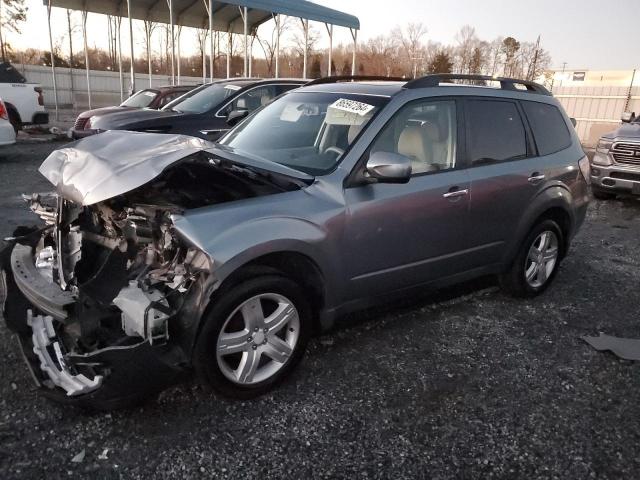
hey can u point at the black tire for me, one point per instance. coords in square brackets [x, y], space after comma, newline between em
[600, 195]
[14, 119]
[514, 280]
[205, 357]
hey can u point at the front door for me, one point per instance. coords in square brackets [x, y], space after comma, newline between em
[405, 234]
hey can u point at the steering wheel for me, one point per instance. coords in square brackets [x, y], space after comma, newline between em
[337, 150]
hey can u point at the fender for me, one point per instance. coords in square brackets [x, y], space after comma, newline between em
[236, 246]
[553, 196]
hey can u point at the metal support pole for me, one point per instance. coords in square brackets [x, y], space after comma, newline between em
[354, 34]
[211, 40]
[132, 87]
[305, 27]
[229, 51]
[86, 55]
[253, 37]
[53, 61]
[147, 31]
[245, 21]
[204, 60]
[173, 43]
[120, 61]
[278, 45]
[178, 58]
[330, 32]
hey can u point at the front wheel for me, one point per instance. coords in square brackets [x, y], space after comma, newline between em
[253, 337]
[537, 261]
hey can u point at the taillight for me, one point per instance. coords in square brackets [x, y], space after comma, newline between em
[3, 111]
[585, 169]
[38, 90]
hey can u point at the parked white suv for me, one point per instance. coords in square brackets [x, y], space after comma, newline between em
[24, 101]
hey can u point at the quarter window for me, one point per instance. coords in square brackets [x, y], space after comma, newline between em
[549, 128]
[495, 132]
[423, 131]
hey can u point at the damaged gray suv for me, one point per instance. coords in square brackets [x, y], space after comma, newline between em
[163, 254]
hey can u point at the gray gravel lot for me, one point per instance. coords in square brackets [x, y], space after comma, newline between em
[467, 383]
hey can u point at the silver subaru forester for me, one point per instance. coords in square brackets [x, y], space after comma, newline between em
[160, 254]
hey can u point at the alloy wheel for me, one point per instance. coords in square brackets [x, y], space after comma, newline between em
[258, 338]
[541, 259]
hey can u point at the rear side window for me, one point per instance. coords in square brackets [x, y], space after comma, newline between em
[495, 132]
[549, 128]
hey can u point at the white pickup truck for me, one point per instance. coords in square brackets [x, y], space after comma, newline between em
[24, 101]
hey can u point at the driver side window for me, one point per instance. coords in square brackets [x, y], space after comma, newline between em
[424, 131]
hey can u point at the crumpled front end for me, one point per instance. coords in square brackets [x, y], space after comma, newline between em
[96, 297]
[106, 297]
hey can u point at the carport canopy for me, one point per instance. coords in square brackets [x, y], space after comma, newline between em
[226, 15]
[229, 16]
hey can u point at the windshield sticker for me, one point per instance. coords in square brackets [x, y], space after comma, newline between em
[352, 106]
[149, 94]
[232, 87]
[348, 112]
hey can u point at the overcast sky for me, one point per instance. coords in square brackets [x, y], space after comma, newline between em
[590, 34]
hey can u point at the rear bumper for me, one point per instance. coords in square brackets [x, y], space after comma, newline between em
[39, 313]
[615, 178]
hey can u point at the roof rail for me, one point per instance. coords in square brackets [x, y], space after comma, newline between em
[505, 83]
[353, 78]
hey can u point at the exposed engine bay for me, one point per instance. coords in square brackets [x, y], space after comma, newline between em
[115, 276]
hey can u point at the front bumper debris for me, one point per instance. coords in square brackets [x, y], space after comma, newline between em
[111, 377]
[45, 340]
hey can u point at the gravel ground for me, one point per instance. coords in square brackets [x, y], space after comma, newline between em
[468, 383]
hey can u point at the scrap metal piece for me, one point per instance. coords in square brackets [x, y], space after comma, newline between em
[625, 348]
[44, 336]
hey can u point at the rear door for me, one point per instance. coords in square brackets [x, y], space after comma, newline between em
[504, 171]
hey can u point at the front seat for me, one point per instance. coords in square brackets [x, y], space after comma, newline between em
[413, 143]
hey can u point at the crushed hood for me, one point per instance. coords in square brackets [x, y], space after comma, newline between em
[112, 163]
[115, 162]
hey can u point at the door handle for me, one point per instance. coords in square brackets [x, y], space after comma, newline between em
[456, 193]
[536, 177]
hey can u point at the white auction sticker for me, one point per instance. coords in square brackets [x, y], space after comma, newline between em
[352, 106]
[232, 87]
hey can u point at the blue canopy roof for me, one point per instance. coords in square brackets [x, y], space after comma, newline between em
[226, 14]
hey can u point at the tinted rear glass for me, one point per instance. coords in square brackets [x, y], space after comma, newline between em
[549, 128]
[495, 131]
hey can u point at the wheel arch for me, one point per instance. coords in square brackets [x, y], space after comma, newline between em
[554, 203]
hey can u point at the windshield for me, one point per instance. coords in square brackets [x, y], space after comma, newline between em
[307, 131]
[202, 99]
[141, 99]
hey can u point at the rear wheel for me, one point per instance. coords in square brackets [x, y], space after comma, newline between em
[537, 261]
[253, 337]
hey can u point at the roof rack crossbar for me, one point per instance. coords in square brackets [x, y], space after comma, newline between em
[353, 78]
[505, 83]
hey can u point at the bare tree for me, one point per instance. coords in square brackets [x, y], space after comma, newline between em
[379, 55]
[298, 41]
[410, 38]
[510, 47]
[269, 44]
[12, 13]
[149, 27]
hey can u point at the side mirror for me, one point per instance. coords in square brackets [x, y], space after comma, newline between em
[627, 117]
[235, 116]
[573, 122]
[387, 167]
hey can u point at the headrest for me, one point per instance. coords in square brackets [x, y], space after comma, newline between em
[241, 104]
[265, 99]
[411, 143]
[431, 132]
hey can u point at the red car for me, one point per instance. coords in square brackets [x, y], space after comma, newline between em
[153, 98]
